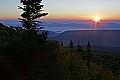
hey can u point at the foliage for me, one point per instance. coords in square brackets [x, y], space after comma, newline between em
[40, 59]
[109, 61]
[74, 68]
[19, 55]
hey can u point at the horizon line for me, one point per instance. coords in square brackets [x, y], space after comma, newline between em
[63, 19]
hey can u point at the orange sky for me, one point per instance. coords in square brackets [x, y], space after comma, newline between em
[67, 9]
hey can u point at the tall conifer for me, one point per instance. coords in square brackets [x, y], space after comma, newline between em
[71, 44]
[32, 10]
[89, 54]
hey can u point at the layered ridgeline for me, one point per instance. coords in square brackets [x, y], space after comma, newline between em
[61, 26]
[104, 36]
[101, 39]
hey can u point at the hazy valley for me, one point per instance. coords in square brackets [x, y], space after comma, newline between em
[102, 40]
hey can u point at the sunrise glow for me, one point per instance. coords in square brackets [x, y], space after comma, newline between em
[66, 10]
[96, 19]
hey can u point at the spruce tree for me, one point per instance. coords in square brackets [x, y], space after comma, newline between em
[61, 44]
[32, 10]
[79, 48]
[71, 44]
[89, 54]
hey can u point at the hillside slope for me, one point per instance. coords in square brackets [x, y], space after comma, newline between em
[96, 37]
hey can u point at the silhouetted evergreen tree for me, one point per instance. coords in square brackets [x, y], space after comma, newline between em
[80, 49]
[89, 54]
[1, 25]
[32, 9]
[71, 44]
[61, 43]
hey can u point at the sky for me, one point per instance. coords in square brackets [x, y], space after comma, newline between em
[67, 9]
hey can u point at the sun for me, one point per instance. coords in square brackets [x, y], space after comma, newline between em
[96, 19]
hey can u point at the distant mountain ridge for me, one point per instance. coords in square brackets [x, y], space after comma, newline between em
[101, 40]
[83, 25]
[96, 37]
[65, 25]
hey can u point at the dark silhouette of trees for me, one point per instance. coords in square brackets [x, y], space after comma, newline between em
[80, 50]
[89, 54]
[43, 36]
[1, 25]
[32, 9]
[61, 44]
[71, 44]
[79, 47]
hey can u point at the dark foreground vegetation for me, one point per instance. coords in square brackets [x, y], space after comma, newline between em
[24, 55]
[33, 57]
